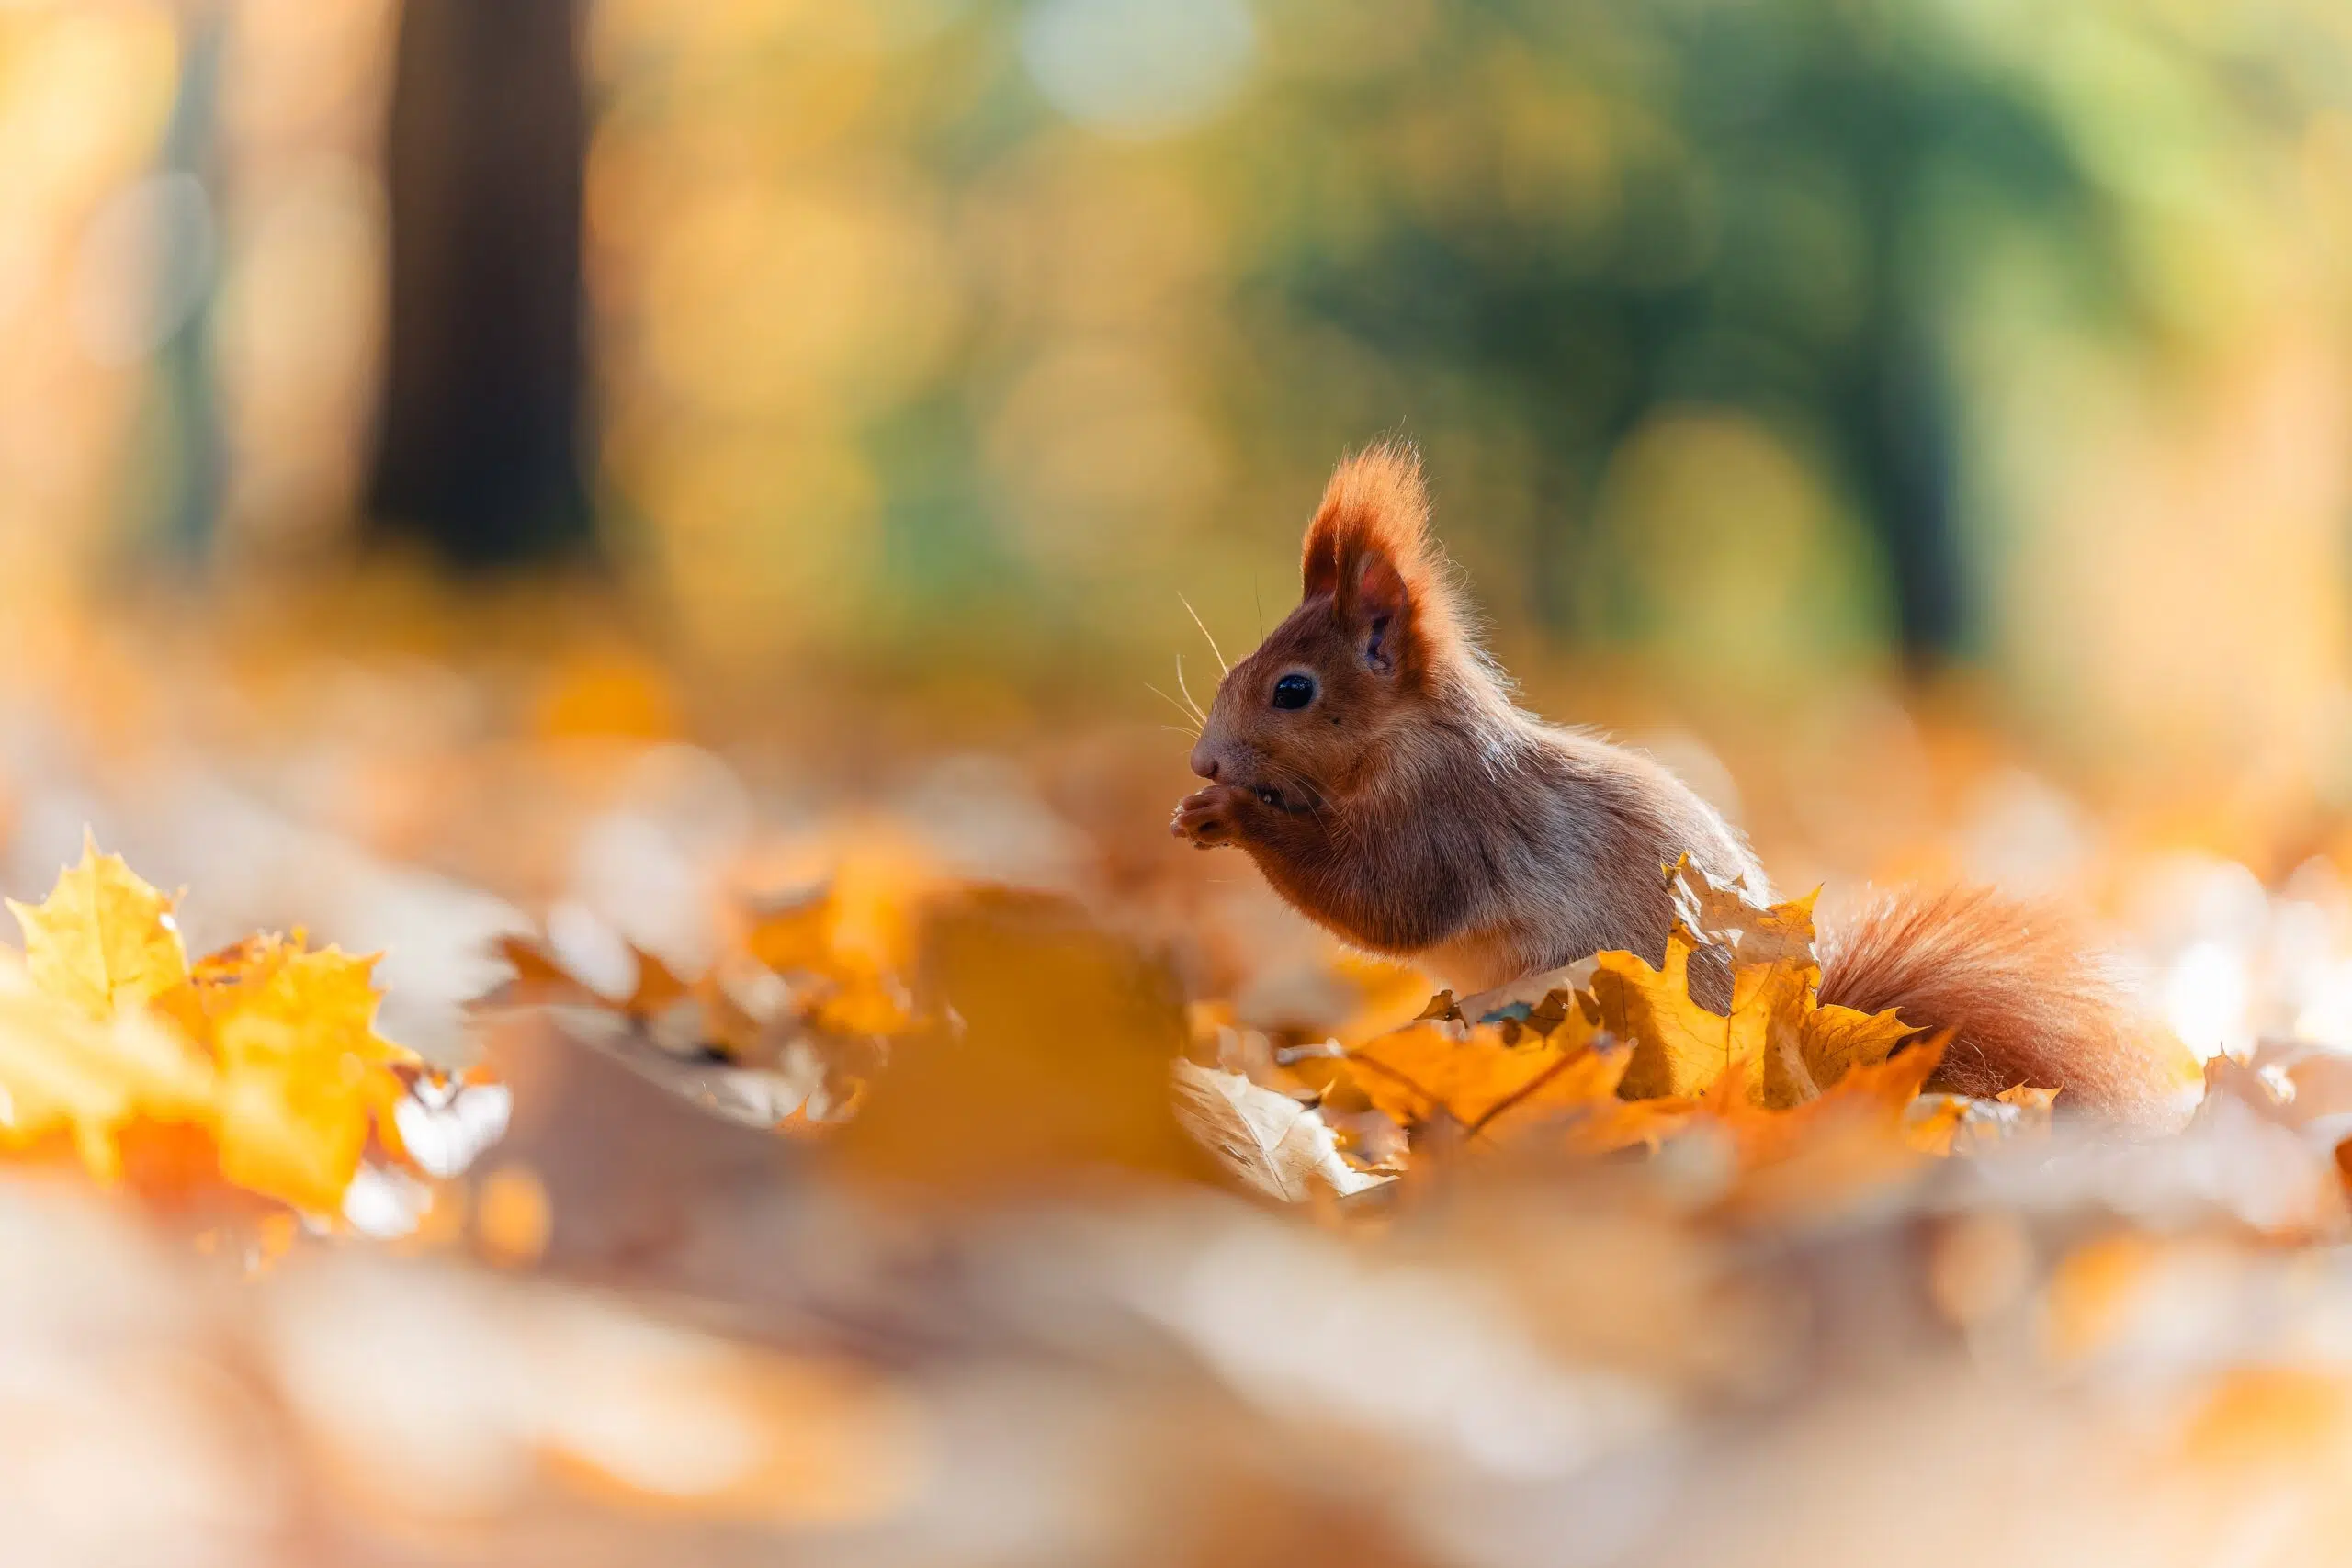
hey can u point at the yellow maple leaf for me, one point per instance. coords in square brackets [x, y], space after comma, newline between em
[1680, 1048]
[304, 1076]
[66, 1073]
[1788, 1047]
[1870, 1101]
[1833, 1041]
[103, 939]
[268, 1048]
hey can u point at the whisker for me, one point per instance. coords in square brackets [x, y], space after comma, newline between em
[1222, 667]
[1180, 708]
[1258, 599]
[1188, 691]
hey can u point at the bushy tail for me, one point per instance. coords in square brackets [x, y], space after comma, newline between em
[2027, 998]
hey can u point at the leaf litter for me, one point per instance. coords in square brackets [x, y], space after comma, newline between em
[914, 1181]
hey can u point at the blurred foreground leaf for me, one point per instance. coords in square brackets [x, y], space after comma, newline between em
[267, 1049]
[1049, 1059]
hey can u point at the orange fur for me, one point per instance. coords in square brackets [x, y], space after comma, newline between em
[1375, 504]
[1370, 540]
[2028, 998]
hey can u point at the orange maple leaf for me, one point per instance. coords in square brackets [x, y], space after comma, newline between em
[1427, 1073]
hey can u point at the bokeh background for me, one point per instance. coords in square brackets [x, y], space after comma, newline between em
[605, 467]
[1765, 346]
[1923, 422]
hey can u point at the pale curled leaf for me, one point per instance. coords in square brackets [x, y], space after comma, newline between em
[1958, 1123]
[749, 1097]
[1519, 997]
[445, 1125]
[1268, 1141]
[1727, 917]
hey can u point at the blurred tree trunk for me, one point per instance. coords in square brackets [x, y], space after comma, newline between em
[1908, 459]
[480, 452]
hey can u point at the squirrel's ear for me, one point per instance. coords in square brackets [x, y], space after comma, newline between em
[1368, 548]
[1379, 607]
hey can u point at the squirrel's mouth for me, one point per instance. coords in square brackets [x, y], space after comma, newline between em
[1297, 800]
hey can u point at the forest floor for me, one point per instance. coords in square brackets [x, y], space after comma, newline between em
[754, 1149]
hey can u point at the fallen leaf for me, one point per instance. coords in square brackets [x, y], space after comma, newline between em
[63, 1072]
[1430, 1072]
[102, 940]
[1269, 1142]
[1047, 1056]
[1750, 932]
[267, 1047]
[304, 1077]
[1680, 1048]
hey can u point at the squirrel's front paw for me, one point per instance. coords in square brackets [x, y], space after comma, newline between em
[1205, 818]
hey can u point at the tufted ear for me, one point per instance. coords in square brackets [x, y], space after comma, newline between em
[1369, 550]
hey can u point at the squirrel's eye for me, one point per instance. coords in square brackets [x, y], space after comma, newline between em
[1294, 691]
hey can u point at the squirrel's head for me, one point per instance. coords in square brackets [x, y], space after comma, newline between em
[1375, 635]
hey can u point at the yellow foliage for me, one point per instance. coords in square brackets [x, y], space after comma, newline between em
[64, 1073]
[102, 940]
[812, 976]
[304, 1077]
[268, 1048]
[1778, 1034]
[1629, 1057]
[1680, 1048]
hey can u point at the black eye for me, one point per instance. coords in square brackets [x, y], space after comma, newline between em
[1294, 691]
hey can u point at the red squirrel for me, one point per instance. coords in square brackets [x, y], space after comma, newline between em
[1369, 757]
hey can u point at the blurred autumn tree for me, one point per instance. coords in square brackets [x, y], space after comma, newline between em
[1751, 340]
[931, 319]
[1560, 219]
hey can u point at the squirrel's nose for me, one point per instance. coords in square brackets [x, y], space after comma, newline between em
[1204, 762]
